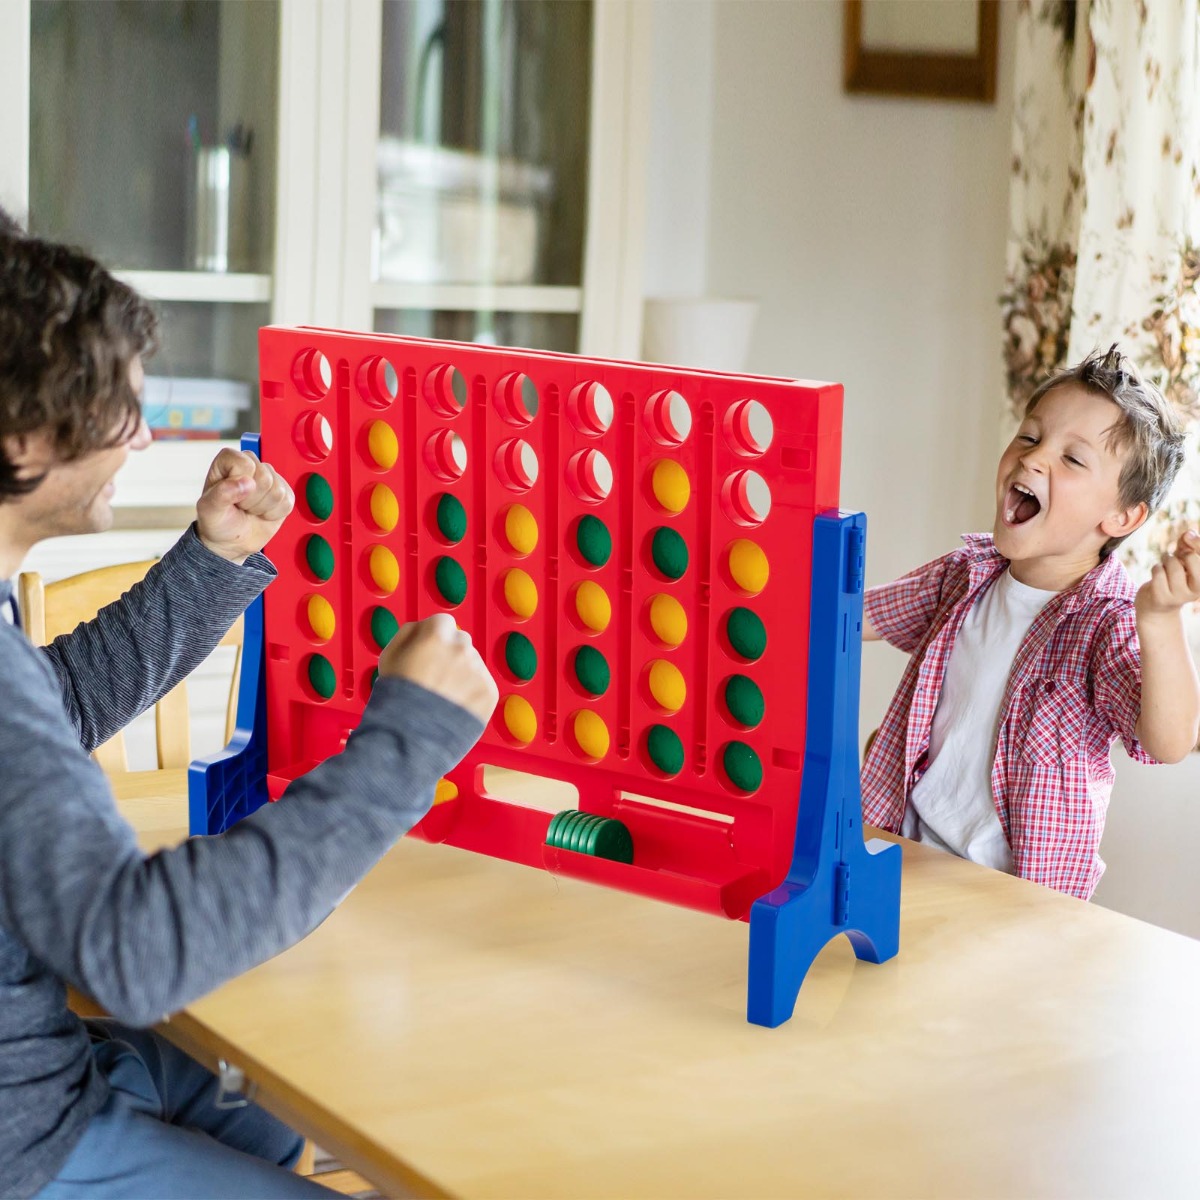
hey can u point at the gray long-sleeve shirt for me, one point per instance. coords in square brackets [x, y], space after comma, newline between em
[80, 904]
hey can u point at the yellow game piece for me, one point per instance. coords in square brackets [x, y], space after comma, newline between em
[444, 791]
[385, 570]
[385, 508]
[520, 594]
[672, 488]
[591, 733]
[320, 617]
[382, 444]
[748, 566]
[521, 529]
[520, 719]
[667, 685]
[593, 606]
[668, 620]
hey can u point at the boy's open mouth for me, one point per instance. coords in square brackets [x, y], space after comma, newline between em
[1020, 505]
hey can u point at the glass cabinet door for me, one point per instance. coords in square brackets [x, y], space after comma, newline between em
[482, 169]
[153, 146]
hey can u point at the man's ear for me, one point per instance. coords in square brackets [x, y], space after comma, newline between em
[16, 449]
[1122, 524]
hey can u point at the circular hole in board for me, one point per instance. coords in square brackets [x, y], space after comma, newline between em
[590, 409]
[377, 382]
[312, 374]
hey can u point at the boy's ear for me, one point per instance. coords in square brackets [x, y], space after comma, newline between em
[1122, 524]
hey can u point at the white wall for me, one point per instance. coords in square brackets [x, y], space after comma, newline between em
[872, 230]
[679, 163]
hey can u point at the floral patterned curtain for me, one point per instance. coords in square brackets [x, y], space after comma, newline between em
[1104, 241]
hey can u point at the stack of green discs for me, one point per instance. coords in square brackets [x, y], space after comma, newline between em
[587, 833]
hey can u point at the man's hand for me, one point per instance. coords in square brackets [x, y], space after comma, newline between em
[243, 503]
[439, 656]
[1174, 582]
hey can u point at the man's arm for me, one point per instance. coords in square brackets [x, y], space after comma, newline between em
[868, 631]
[114, 667]
[145, 936]
[135, 650]
[1169, 723]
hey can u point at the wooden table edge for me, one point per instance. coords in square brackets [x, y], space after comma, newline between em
[373, 1162]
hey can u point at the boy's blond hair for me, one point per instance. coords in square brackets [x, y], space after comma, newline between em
[1148, 430]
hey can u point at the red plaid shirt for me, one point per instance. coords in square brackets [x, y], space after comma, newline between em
[1075, 686]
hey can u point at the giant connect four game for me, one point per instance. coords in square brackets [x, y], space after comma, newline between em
[653, 565]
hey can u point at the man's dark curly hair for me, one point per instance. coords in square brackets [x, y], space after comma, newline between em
[68, 333]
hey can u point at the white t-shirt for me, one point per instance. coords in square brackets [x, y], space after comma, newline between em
[951, 806]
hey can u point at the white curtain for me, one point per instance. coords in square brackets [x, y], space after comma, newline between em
[1104, 241]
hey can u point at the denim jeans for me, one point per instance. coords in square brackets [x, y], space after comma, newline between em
[160, 1136]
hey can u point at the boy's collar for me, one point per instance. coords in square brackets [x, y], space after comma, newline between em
[1108, 578]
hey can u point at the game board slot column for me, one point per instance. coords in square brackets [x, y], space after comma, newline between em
[378, 537]
[590, 572]
[665, 647]
[512, 500]
[344, 446]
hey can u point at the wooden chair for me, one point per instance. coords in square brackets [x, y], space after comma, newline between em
[50, 609]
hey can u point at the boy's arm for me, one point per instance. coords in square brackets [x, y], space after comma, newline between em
[901, 612]
[1169, 723]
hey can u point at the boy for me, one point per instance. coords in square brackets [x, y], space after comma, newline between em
[1031, 650]
[101, 1109]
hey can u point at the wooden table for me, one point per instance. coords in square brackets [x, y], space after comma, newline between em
[468, 1026]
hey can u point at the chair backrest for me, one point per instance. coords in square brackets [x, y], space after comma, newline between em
[48, 610]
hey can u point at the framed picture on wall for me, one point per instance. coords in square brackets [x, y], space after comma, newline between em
[943, 49]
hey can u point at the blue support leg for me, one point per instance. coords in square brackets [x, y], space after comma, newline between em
[231, 784]
[836, 884]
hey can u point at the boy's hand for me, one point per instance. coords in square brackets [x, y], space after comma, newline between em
[1174, 582]
[243, 503]
[439, 656]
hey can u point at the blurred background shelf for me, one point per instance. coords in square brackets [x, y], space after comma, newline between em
[443, 168]
[469, 297]
[205, 287]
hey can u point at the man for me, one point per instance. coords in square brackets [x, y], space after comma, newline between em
[102, 1109]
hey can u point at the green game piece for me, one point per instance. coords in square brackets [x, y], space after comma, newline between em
[594, 540]
[591, 670]
[743, 766]
[579, 831]
[318, 495]
[451, 580]
[747, 635]
[383, 626]
[560, 827]
[669, 552]
[587, 844]
[321, 676]
[744, 699]
[665, 749]
[520, 656]
[562, 837]
[613, 841]
[319, 554]
[451, 519]
[554, 828]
